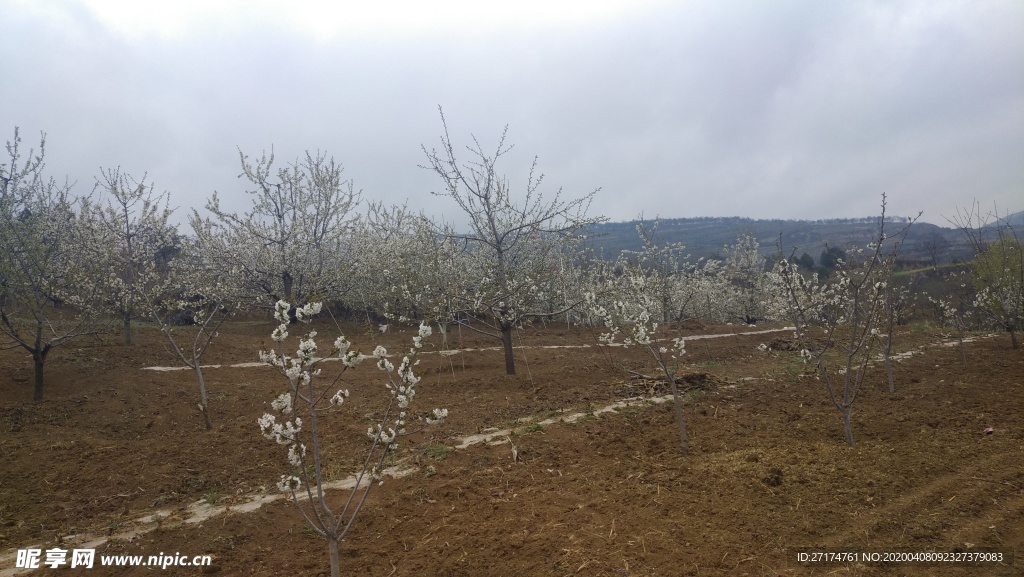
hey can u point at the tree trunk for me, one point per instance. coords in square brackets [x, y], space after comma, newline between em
[506, 341]
[39, 357]
[888, 371]
[203, 403]
[679, 414]
[848, 424]
[37, 391]
[287, 281]
[332, 548]
[887, 354]
[1013, 339]
[127, 329]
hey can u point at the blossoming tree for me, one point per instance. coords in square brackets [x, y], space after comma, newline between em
[511, 244]
[633, 308]
[189, 303]
[998, 271]
[127, 233]
[849, 310]
[41, 267]
[302, 409]
[291, 243]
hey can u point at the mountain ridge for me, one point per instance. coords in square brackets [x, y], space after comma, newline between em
[704, 237]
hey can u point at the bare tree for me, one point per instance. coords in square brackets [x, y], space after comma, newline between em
[41, 268]
[512, 243]
[935, 244]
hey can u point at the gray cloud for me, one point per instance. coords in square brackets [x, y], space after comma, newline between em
[783, 109]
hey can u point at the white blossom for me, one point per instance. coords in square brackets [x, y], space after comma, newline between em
[289, 483]
[439, 415]
[307, 312]
[295, 455]
[281, 309]
[283, 403]
[339, 397]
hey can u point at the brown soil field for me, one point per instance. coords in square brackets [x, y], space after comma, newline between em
[768, 476]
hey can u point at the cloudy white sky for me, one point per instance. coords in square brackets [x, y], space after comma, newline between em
[763, 109]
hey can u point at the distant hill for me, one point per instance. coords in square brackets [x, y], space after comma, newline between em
[1015, 220]
[705, 236]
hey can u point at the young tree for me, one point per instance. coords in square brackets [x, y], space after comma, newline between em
[189, 304]
[127, 233]
[41, 267]
[895, 302]
[307, 401]
[511, 245]
[744, 268]
[848, 309]
[290, 244]
[999, 280]
[957, 307]
[632, 308]
[663, 265]
[998, 268]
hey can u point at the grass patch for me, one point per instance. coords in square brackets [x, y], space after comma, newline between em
[436, 451]
[213, 497]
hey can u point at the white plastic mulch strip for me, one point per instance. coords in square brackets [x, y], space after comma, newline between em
[451, 352]
[194, 514]
[201, 511]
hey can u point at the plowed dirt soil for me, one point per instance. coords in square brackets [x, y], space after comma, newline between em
[937, 466]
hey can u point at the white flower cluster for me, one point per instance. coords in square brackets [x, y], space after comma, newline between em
[289, 483]
[386, 436]
[635, 313]
[282, 403]
[283, 433]
[296, 453]
[439, 416]
[339, 397]
[302, 390]
[382, 359]
[348, 357]
[424, 332]
[308, 311]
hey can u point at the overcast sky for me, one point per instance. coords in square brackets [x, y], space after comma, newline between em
[768, 109]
